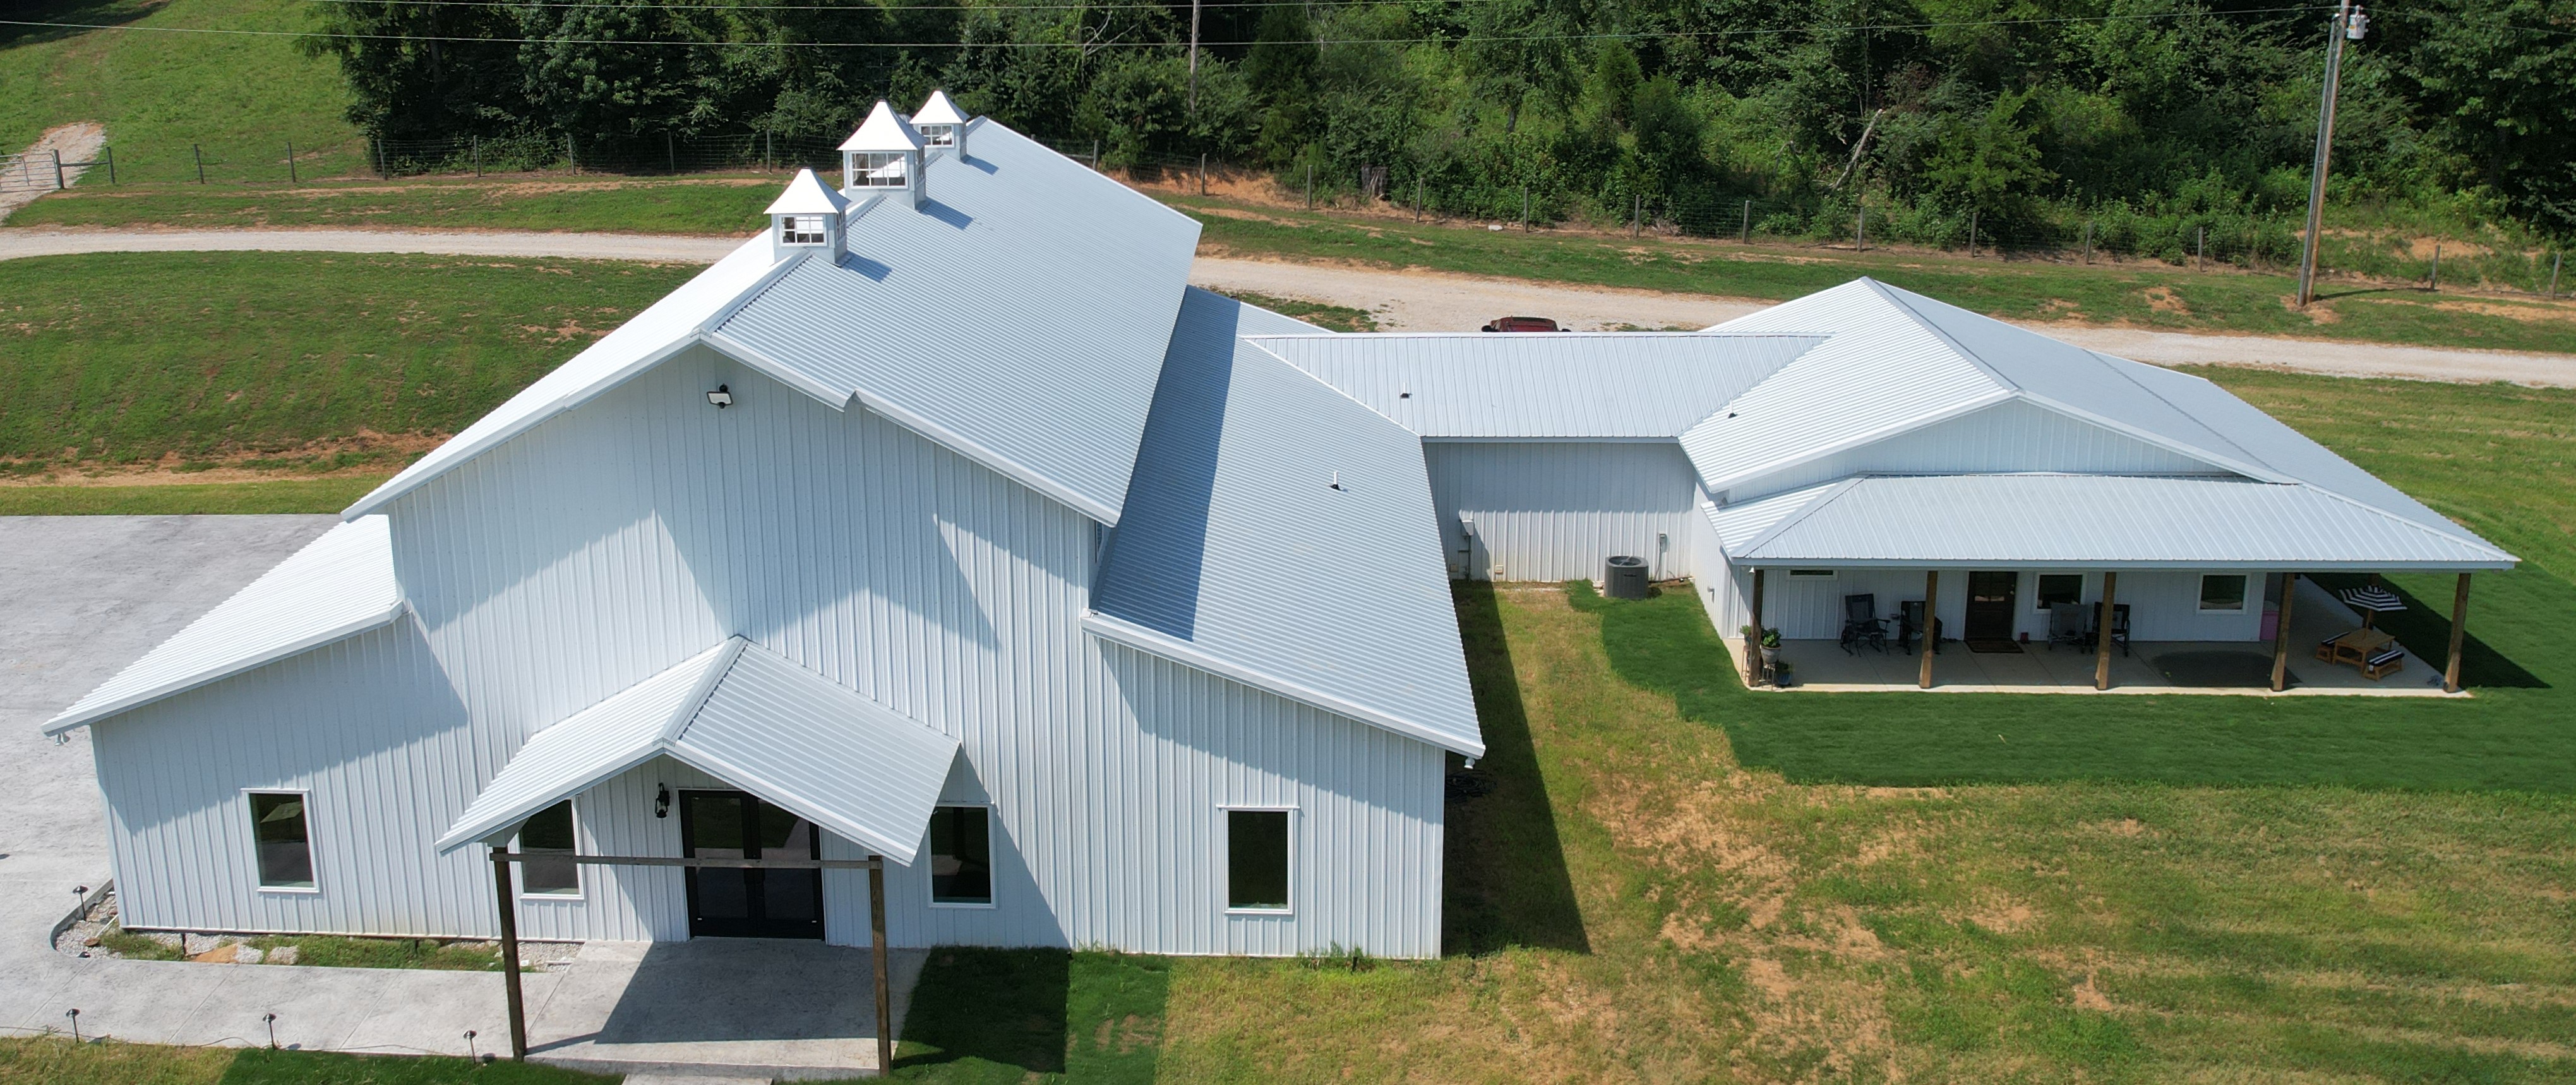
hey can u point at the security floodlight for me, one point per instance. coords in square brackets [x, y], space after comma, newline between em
[722, 397]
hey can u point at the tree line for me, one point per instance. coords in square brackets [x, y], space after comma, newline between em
[2151, 120]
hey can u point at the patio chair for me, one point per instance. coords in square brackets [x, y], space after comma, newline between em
[1909, 625]
[2119, 627]
[2384, 662]
[2065, 625]
[1862, 627]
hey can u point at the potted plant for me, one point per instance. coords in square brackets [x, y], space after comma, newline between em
[1780, 673]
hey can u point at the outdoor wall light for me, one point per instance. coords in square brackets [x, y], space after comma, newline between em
[661, 800]
[722, 397]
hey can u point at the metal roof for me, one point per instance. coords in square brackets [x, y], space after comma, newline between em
[756, 720]
[884, 132]
[2084, 521]
[937, 109]
[1614, 385]
[1020, 317]
[806, 194]
[1278, 534]
[338, 586]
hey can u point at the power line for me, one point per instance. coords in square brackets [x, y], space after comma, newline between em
[1625, 36]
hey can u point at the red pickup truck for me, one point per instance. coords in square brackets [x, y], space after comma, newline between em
[1521, 324]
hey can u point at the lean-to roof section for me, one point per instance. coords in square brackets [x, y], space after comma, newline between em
[2087, 522]
[756, 720]
[663, 329]
[1280, 534]
[1605, 385]
[338, 586]
[1018, 315]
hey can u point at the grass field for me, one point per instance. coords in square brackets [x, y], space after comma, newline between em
[241, 97]
[725, 205]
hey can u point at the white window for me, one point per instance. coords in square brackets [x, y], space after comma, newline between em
[282, 831]
[547, 840]
[961, 856]
[939, 135]
[876, 170]
[1257, 854]
[2224, 592]
[800, 229]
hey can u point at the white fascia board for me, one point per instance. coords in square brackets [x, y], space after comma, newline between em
[770, 792]
[139, 698]
[1151, 642]
[499, 824]
[1810, 455]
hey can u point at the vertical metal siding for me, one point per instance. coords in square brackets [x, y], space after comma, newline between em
[2163, 605]
[1555, 510]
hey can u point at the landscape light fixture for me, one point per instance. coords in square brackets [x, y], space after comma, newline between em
[722, 397]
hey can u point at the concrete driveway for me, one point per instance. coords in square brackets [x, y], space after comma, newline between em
[82, 596]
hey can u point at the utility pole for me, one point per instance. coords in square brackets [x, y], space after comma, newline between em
[2349, 25]
[1194, 57]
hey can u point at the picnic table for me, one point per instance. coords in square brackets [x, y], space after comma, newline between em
[2355, 647]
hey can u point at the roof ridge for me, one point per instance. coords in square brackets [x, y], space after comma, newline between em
[1888, 293]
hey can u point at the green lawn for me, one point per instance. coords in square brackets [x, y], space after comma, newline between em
[58, 1061]
[722, 205]
[189, 499]
[240, 97]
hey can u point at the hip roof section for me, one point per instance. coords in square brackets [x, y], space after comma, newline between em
[338, 586]
[2085, 521]
[1282, 535]
[1606, 385]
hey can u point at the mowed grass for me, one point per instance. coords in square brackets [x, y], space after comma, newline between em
[318, 495]
[727, 206]
[2134, 293]
[52, 1060]
[283, 361]
[242, 97]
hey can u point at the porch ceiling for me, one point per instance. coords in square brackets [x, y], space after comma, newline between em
[756, 720]
[2041, 521]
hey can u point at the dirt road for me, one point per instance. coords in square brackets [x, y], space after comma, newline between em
[1402, 300]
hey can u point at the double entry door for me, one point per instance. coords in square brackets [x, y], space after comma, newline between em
[730, 902]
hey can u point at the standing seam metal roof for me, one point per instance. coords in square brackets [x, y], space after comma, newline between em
[1238, 555]
[338, 586]
[1615, 385]
[754, 719]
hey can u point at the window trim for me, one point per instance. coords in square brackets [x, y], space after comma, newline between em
[519, 871]
[2244, 594]
[2083, 587]
[992, 885]
[312, 844]
[1226, 861]
[789, 234]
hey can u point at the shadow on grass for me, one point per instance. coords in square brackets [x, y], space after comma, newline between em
[2508, 738]
[2426, 628]
[1013, 1015]
[1507, 882]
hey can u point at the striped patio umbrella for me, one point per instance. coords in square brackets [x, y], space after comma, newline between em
[2370, 601]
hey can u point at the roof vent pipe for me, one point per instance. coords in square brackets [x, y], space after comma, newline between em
[808, 217]
[941, 124]
[882, 158]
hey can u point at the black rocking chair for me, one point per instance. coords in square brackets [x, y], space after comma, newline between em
[1909, 626]
[2119, 626]
[1862, 627]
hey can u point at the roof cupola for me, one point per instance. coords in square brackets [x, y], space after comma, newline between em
[941, 123]
[882, 157]
[808, 217]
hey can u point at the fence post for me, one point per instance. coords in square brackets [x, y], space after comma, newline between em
[110, 152]
[2200, 248]
[1972, 233]
[1417, 217]
[1747, 239]
[1202, 173]
[1095, 153]
[571, 164]
[1637, 217]
[58, 171]
[1860, 225]
[1310, 186]
[2436, 284]
[2554, 258]
[670, 151]
[2088, 241]
[477, 144]
[383, 168]
[199, 155]
[1525, 209]
[291, 177]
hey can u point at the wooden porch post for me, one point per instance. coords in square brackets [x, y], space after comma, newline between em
[1931, 624]
[2459, 631]
[2281, 634]
[1753, 640]
[2102, 650]
[510, 954]
[877, 942]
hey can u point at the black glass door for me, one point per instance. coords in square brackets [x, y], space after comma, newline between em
[729, 902]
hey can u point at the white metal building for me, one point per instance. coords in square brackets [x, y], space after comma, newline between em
[945, 522]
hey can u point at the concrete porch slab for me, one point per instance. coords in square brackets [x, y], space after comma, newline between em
[720, 1007]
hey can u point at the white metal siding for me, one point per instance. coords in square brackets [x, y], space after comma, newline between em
[1556, 510]
[2163, 605]
[617, 540]
[2007, 437]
